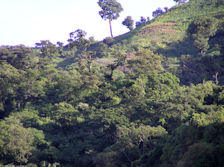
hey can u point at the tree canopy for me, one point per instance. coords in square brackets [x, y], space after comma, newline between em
[129, 22]
[143, 99]
[201, 30]
[110, 11]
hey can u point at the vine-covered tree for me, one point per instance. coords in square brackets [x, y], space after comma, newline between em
[110, 11]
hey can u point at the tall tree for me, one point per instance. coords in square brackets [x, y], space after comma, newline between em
[110, 11]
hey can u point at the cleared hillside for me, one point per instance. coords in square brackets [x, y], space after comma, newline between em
[167, 36]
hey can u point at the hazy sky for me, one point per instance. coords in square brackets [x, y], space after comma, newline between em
[29, 21]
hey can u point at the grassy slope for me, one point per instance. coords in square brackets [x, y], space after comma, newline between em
[166, 35]
[168, 31]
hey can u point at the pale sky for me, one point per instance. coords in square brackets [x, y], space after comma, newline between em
[29, 21]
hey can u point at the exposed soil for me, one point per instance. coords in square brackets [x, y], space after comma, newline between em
[158, 29]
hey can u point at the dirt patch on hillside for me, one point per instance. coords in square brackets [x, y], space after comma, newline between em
[158, 29]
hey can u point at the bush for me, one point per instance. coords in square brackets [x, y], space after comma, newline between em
[109, 41]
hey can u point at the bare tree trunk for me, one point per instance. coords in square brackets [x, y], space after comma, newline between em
[202, 53]
[110, 28]
[216, 78]
[89, 60]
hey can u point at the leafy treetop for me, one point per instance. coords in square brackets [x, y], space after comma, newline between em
[110, 10]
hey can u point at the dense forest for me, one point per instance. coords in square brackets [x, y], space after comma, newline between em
[151, 97]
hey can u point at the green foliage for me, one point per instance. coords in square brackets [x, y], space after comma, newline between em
[157, 12]
[20, 57]
[65, 115]
[110, 10]
[130, 137]
[128, 22]
[144, 62]
[201, 29]
[108, 40]
[191, 10]
[199, 154]
[180, 1]
[77, 39]
[16, 142]
[141, 99]
[47, 49]
[10, 77]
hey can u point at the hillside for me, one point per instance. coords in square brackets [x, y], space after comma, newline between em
[151, 97]
[167, 36]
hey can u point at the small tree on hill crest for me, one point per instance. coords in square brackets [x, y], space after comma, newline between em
[129, 23]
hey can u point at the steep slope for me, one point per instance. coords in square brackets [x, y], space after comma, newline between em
[167, 35]
[170, 27]
[114, 104]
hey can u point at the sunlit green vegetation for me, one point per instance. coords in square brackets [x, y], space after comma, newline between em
[146, 98]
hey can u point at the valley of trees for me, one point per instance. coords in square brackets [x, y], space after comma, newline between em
[145, 98]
